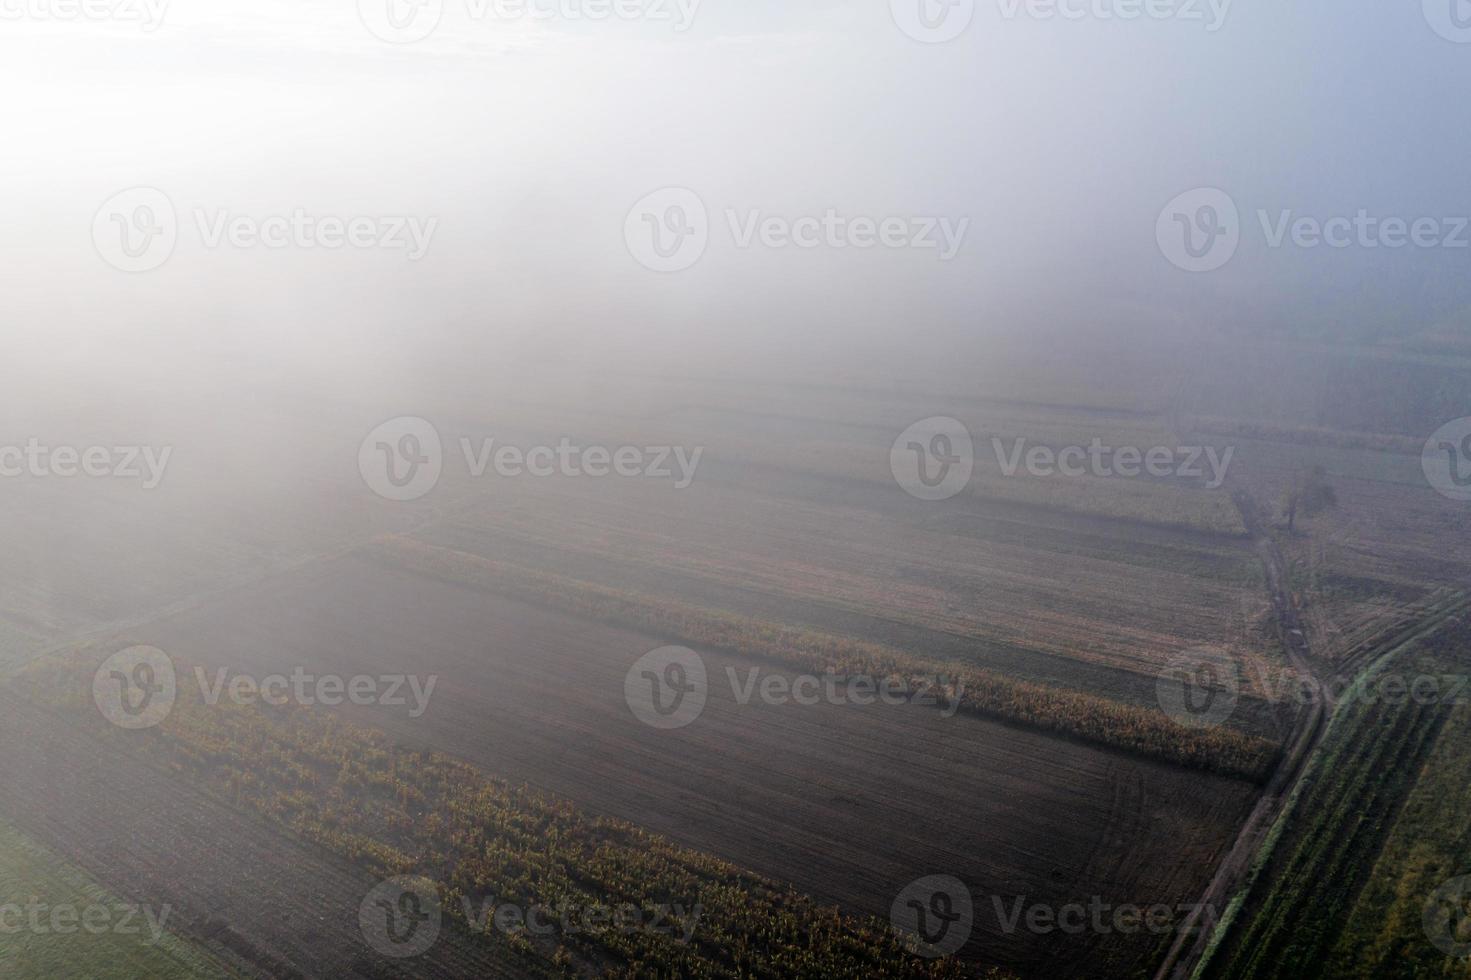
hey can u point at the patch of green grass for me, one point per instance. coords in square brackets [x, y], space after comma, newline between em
[1318, 898]
[102, 938]
[1429, 844]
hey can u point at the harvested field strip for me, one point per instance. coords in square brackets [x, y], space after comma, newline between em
[844, 455]
[1056, 593]
[1209, 560]
[396, 811]
[1093, 719]
[1305, 435]
[1018, 599]
[1135, 501]
[799, 608]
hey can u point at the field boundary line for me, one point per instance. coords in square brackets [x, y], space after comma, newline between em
[1399, 641]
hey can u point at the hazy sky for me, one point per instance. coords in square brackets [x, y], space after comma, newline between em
[1057, 140]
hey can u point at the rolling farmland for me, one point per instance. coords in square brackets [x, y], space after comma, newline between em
[1049, 777]
[374, 810]
[811, 778]
[1044, 596]
[655, 489]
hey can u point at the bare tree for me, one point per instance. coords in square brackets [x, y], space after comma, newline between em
[1310, 494]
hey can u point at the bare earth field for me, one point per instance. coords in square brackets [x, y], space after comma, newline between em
[848, 803]
[263, 900]
[1089, 585]
[1090, 604]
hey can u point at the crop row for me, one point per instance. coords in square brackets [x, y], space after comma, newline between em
[394, 810]
[1427, 846]
[1339, 819]
[983, 692]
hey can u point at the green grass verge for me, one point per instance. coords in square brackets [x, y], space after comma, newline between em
[1306, 911]
[100, 943]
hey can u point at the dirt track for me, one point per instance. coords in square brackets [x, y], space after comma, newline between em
[1191, 943]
